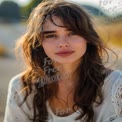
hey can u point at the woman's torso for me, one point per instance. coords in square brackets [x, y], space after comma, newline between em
[103, 113]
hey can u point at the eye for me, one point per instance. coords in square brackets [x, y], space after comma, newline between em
[71, 33]
[50, 36]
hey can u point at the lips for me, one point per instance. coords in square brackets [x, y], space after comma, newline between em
[64, 53]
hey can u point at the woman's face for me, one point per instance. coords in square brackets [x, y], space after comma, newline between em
[62, 45]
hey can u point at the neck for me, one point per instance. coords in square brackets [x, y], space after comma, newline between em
[67, 73]
[66, 86]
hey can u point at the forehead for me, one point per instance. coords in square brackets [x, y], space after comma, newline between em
[52, 24]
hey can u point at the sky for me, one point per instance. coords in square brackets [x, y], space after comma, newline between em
[108, 6]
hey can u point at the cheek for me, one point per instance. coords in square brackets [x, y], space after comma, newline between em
[47, 45]
[47, 48]
[82, 46]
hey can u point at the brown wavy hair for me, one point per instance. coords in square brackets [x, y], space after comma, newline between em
[91, 70]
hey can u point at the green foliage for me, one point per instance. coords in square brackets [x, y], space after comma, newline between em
[25, 11]
[9, 11]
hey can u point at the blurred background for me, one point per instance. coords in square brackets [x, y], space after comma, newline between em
[106, 16]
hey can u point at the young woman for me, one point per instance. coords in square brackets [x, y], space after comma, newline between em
[66, 80]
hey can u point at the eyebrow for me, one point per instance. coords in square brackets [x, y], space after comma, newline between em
[48, 32]
[51, 31]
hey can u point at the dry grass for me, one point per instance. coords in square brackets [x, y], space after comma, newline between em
[111, 33]
[2, 50]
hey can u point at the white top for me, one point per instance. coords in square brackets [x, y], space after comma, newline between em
[109, 111]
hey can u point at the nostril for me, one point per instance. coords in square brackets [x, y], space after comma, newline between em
[63, 44]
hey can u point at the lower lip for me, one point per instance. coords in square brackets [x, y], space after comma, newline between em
[65, 54]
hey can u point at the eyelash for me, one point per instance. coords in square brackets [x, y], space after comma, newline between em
[50, 36]
[72, 33]
[54, 36]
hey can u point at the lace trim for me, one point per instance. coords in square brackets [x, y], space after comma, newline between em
[117, 96]
[111, 119]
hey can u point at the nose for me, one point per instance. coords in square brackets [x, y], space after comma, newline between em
[63, 42]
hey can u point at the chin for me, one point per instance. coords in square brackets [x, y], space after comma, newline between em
[67, 61]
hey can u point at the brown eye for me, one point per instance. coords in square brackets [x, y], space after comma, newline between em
[71, 33]
[50, 36]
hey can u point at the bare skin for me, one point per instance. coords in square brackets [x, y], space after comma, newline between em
[62, 104]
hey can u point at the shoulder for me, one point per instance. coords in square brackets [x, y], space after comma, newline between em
[110, 80]
[117, 94]
[117, 80]
[16, 82]
[14, 88]
[117, 85]
[114, 75]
